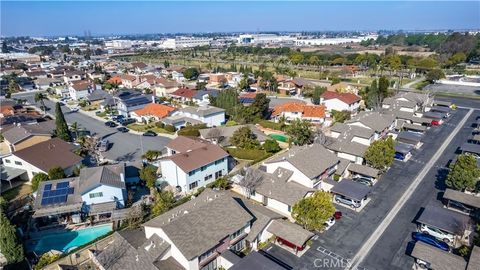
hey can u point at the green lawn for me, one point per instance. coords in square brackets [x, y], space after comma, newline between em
[143, 128]
[256, 155]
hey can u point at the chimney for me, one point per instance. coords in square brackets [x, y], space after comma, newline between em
[122, 177]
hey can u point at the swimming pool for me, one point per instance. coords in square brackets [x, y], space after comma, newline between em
[65, 241]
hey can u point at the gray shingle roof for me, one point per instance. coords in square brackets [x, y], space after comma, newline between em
[202, 111]
[470, 148]
[414, 127]
[474, 261]
[20, 133]
[363, 169]
[225, 133]
[409, 137]
[438, 259]
[461, 197]
[109, 175]
[353, 148]
[311, 160]
[291, 232]
[256, 261]
[199, 224]
[444, 219]
[275, 186]
[373, 120]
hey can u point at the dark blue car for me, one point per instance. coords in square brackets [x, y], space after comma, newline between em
[428, 239]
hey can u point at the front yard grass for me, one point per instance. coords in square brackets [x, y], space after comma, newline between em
[151, 126]
[17, 192]
[255, 155]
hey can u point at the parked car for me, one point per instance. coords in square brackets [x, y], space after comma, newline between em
[363, 181]
[74, 109]
[460, 206]
[122, 129]
[110, 124]
[428, 239]
[149, 133]
[347, 201]
[329, 223]
[126, 121]
[437, 233]
[338, 215]
[103, 145]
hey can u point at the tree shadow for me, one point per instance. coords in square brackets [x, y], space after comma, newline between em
[108, 135]
[127, 157]
[440, 178]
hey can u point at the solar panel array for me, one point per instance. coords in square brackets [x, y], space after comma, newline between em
[57, 195]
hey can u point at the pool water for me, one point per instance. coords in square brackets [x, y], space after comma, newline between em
[279, 137]
[65, 241]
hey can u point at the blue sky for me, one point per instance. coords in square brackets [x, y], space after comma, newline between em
[128, 17]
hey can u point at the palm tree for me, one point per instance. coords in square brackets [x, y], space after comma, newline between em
[151, 155]
[41, 97]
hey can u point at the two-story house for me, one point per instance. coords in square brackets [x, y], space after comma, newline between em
[103, 184]
[291, 111]
[80, 89]
[23, 136]
[340, 101]
[128, 101]
[191, 163]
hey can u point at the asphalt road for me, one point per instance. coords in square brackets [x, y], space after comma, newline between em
[124, 146]
[346, 237]
[394, 246]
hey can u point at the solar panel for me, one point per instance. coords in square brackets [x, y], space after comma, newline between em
[48, 187]
[62, 185]
[58, 195]
[71, 190]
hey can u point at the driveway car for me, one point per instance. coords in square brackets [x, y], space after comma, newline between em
[437, 233]
[363, 181]
[103, 145]
[74, 109]
[329, 223]
[428, 239]
[347, 201]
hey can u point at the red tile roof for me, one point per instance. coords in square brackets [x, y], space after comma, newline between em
[154, 109]
[347, 98]
[184, 92]
[306, 110]
[115, 80]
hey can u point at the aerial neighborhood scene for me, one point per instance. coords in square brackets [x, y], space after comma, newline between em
[239, 135]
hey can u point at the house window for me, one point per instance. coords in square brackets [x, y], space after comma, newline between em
[219, 161]
[174, 152]
[218, 174]
[203, 168]
[18, 163]
[191, 173]
[237, 234]
[193, 185]
[95, 195]
[289, 208]
[238, 246]
[208, 177]
[252, 193]
[7, 161]
[210, 266]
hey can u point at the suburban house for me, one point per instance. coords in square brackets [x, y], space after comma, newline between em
[350, 190]
[202, 97]
[277, 191]
[165, 87]
[408, 102]
[209, 115]
[349, 141]
[221, 135]
[310, 164]
[23, 136]
[104, 184]
[80, 89]
[340, 101]
[343, 87]
[380, 123]
[191, 163]
[139, 67]
[128, 101]
[151, 111]
[183, 94]
[73, 75]
[128, 81]
[177, 76]
[296, 110]
[43, 156]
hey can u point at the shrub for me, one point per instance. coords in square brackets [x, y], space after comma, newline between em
[160, 125]
[231, 123]
[271, 146]
[170, 128]
[45, 260]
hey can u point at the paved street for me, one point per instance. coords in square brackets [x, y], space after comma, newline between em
[346, 237]
[124, 146]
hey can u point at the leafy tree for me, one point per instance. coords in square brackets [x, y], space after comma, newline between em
[341, 116]
[37, 178]
[317, 92]
[296, 58]
[434, 75]
[456, 59]
[149, 175]
[300, 132]
[463, 173]
[74, 128]
[191, 73]
[243, 84]
[61, 125]
[261, 103]
[170, 128]
[200, 85]
[9, 244]
[221, 183]
[380, 154]
[163, 202]
[151, 155]
[45, 260]
[271, 146]
[244, 138]
[312, 212]
[166, 64]
[335, 80]
[56, 173]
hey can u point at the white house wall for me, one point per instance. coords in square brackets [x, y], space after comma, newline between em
[297, 175]
[110, 194]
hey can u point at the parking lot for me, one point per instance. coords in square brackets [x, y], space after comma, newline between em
[124, 146]
[346, 237]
